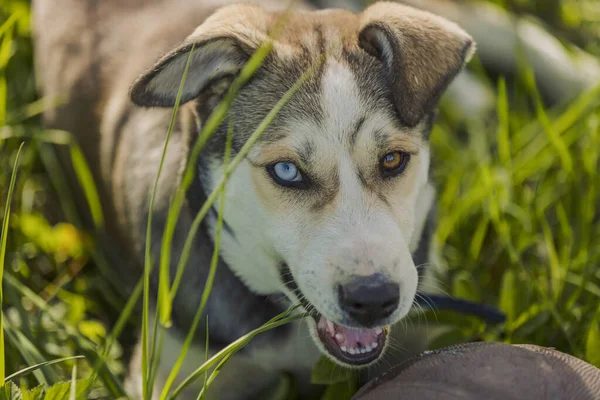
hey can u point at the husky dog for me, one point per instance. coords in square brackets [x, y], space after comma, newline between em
[331, 207]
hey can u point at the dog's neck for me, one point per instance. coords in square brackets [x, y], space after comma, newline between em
[233, 308]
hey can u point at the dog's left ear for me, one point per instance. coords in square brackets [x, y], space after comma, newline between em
[422, 51]
[220, 47]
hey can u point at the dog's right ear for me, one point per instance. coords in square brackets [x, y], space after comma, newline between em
[221, 47]
[422, 52]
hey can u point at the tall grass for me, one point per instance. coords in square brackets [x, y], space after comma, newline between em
[518, 200]
[3, 238]
[147, 382]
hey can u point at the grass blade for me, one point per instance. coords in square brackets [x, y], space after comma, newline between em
[504, 146]
[163, 297]
[209, 280]
[10, 21]
[118, 328]
[3, 240]
[187, 247]
[73, 393]
[86, 180]
[592, 353]
[206, 347]
[40, 365]
[164, 302]
[236, 161]
[86, 346]
[213, 375]
[553, 135]
[212, 123]
[234, 347]
[31, 355]
[57, 176]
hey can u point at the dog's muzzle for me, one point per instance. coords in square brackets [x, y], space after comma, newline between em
[350, 345]
[366, 301]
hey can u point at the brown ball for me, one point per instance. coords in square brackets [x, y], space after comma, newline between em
[487, 371]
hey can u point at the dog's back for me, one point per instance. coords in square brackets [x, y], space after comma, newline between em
[87, 54]
[86, 50]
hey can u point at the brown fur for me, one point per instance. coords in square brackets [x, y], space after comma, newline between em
[106, 58]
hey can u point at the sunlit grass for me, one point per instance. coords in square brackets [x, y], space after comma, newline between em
[147, 370]
[518, 222]
[3, 239]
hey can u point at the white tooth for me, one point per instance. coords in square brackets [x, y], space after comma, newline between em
[363, 351]
[374, 345]
[377, 331]
[330, 326]
[368, 348]
[351, 351]
[344, 349]
[339, 337]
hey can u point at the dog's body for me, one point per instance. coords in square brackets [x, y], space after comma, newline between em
[319, 244]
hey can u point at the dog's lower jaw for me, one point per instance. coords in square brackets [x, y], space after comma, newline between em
[347, 347]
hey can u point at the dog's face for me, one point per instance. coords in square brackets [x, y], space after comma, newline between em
[328, 204]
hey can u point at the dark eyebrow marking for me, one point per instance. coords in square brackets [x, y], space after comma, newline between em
[372, 188]
[380, 137]
[362, 179]
[383, 199]
[357, 128]
[327, 192]
[306, 152]
[272, 137]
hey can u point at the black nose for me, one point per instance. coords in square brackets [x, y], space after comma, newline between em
[370, 299]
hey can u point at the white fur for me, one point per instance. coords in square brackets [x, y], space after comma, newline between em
[249, 253]
[358, 236]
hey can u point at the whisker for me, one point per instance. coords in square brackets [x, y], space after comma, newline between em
[430, 306]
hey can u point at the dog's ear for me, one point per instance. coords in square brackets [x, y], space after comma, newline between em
[422, 52]
[221, 47]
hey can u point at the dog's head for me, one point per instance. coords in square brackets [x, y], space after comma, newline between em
[330, 202]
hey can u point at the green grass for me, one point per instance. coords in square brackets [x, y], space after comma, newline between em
[518, 228]
[3, 239]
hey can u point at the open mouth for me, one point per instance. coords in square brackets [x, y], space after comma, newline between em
[352, 346]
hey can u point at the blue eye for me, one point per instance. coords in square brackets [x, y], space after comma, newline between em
[287, 171]
[286, 174]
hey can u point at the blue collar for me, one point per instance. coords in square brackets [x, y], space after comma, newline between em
[440, 302]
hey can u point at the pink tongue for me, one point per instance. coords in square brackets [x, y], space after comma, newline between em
[349, 337]
[356, 337]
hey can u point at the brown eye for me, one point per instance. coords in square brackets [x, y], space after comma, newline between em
[391, 160]
[394, 163]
